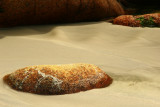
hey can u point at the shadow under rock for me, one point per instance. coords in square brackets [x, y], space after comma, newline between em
[129, 78]
[1, 37]
[25, 30]
[36, 29]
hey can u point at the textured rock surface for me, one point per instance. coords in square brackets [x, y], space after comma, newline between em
[23, 12]
[58, 79]
[147, 20]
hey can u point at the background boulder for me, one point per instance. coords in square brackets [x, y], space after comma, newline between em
[24, 12]
[147, 20]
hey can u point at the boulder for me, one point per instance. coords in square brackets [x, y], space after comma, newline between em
[57, 79]
[26, 12]
[147, 20]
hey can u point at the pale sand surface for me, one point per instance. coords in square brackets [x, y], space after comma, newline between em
[130, 55]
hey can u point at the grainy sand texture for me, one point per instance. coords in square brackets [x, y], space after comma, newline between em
[131, 56]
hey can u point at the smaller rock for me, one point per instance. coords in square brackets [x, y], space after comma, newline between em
[147, 20]
[58, 79]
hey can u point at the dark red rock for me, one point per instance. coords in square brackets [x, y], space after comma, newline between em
[147, 20]
[24, 12]
[58, 79]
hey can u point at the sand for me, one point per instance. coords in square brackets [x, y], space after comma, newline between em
[129, 55]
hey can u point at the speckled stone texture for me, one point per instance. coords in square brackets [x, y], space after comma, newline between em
[25, 12]
[130, 20]
[58, 79]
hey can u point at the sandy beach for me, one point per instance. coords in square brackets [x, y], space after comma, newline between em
[131, 56]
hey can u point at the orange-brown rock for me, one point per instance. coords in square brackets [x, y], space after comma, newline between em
[147, 20]
[58, 79]
[24, 12]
